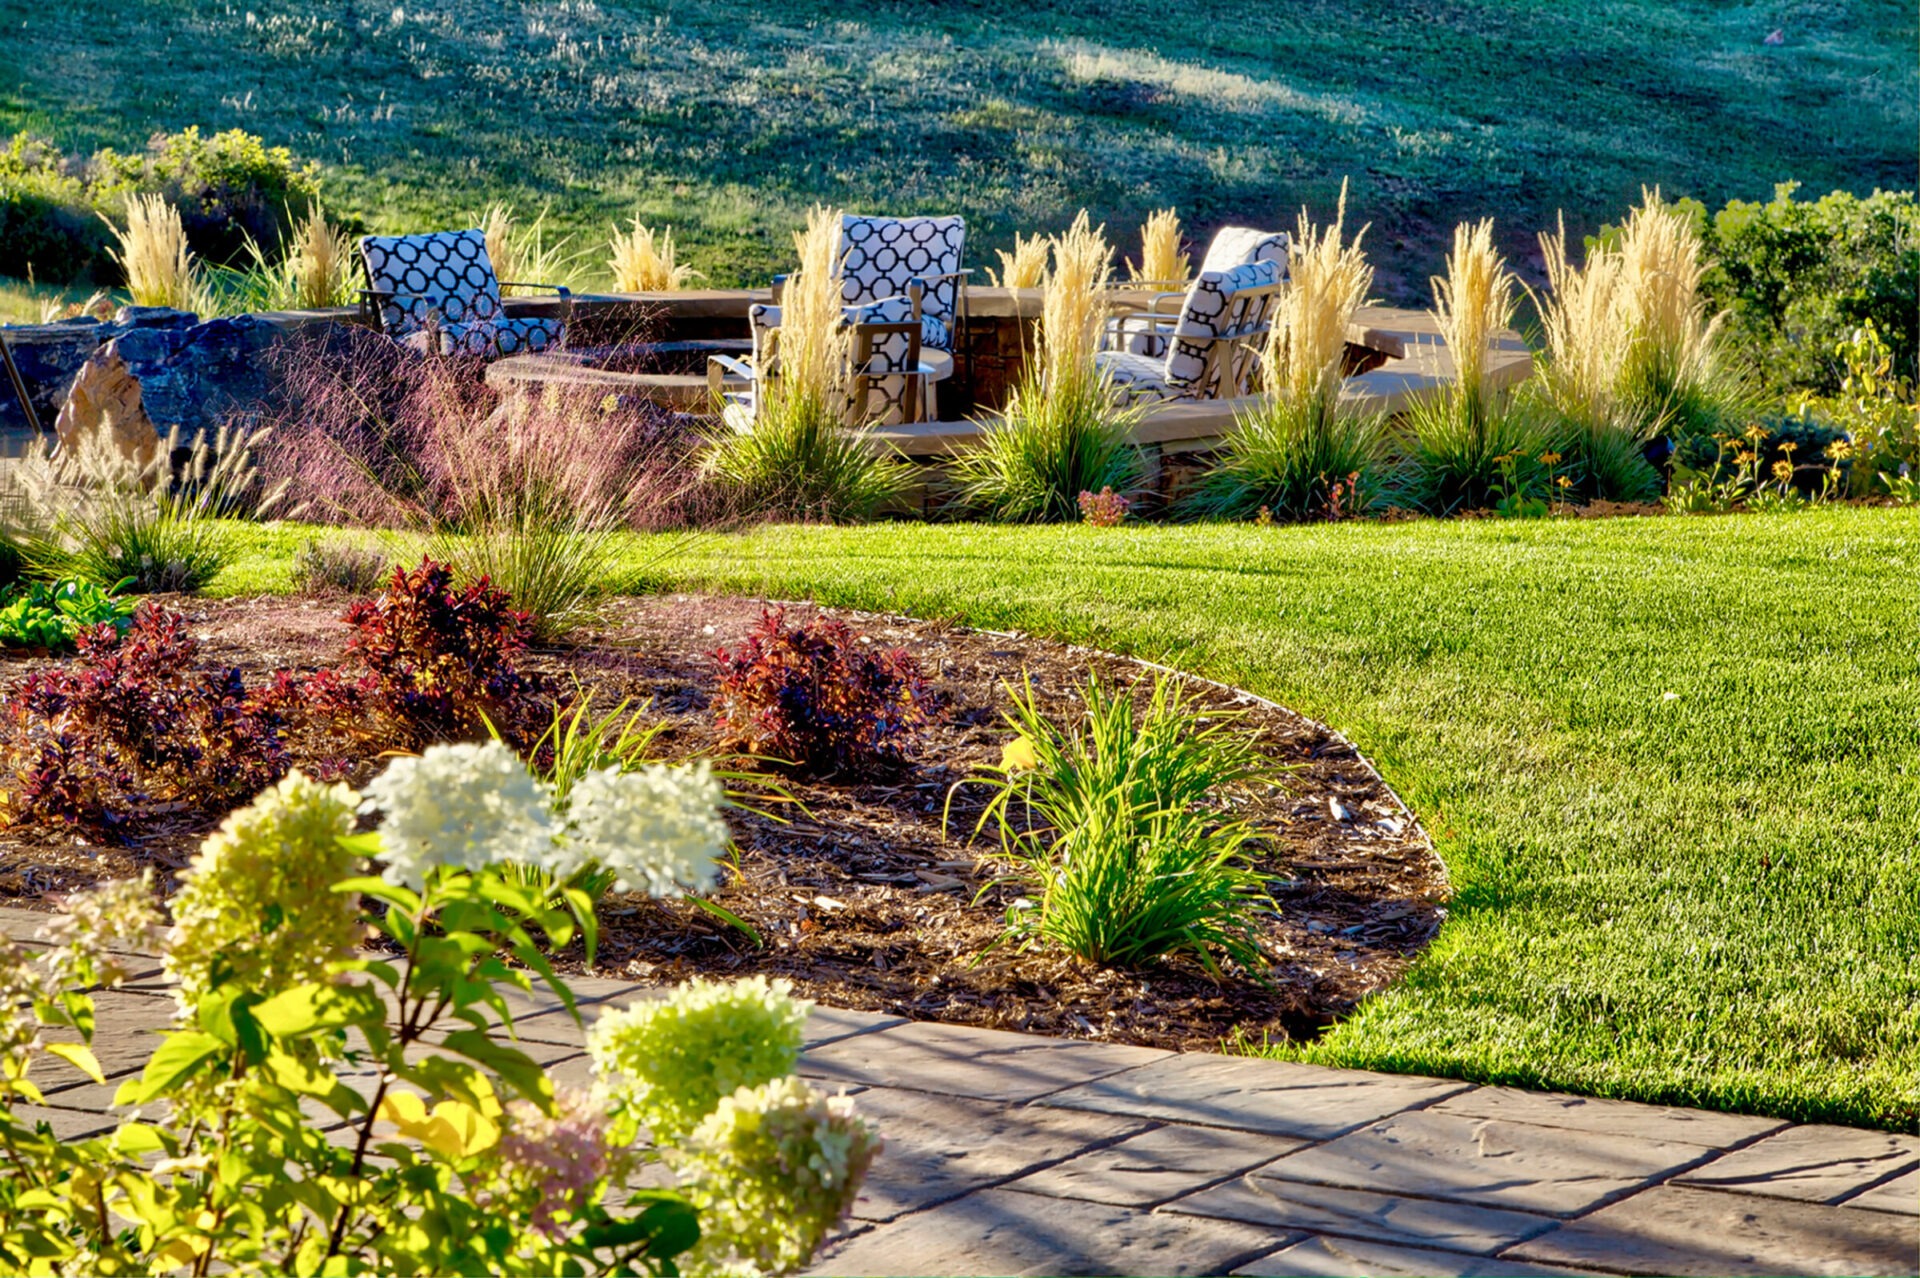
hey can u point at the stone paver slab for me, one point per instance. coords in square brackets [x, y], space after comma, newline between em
[1610, 1117]
[1901, 1194]
[124, 1036]
[1672, 1229]
[1358, 1213]
[830, 1024]
[1815, 1163]
[67, 1124]
[1277, 1097]
[960, 1061]
[939, 1147]
[996, 1231]
[1153, 1166]
[1482, 1160]
[1349, 1258]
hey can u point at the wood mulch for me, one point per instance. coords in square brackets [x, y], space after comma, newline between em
[873, 894]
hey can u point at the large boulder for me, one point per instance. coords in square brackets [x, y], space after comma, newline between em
[105, 400]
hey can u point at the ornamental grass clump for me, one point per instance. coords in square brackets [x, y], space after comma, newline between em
[1161, 261]
[1463, 435]
[1577, 379]
[1299, 453]
[1117, 829]
[1025, 267]
[521, 252]
[160, 269]
[154, 522]
[311, 1112]
[642, 260]
[800, 458]
[1064, 431]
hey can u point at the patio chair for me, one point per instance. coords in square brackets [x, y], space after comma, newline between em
[1211, 347]
[1144, 327]
[439, 295]
[888, 382]
[884, 257]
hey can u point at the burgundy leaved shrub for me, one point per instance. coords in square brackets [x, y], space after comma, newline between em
[817, 696]
[130, 725]
[431, 661]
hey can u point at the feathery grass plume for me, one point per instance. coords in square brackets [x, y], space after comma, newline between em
[801, 459]
[1025, 267]
[1668, 371]
[1064, 431]
[91, 512]
[521, 254]
[1576, 382]
[1161, 261]
[1472, 303]
[643, 261]
[1297, 453]
[1463, 434]
[160, 269]
[320, 264]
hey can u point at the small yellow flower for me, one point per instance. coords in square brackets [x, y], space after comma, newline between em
[1840, 450]
[1564, 481]
[1549, 459]
[1783, 471]
[1018, 754]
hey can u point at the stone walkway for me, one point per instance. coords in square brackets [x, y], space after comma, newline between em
[1013, 1154]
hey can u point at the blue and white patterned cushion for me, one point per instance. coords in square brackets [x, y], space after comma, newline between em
[447, 298]
[1238, 245]
[882, 256]
[1213, 308]
[1137, 378]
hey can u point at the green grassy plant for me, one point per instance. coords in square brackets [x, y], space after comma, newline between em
[1065, 431]
[1116, 827]
[91, 513]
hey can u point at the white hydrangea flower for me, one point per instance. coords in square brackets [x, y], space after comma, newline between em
[460, 805]
[657, 828]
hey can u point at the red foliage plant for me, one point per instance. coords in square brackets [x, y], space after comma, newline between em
[130, 724]
[818, 697]
[437, 662]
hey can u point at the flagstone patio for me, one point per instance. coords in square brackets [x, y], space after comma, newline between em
[1014, 1154]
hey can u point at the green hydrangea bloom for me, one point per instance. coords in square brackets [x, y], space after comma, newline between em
[258, 908]
[674, 1058]
[772, 1170]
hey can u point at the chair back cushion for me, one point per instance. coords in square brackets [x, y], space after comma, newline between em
[1219, 303]
[1238, 245]
[880, 256]
[443, 278]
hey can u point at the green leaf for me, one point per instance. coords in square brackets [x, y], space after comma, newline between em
[135, 1139]
[80, 1057]
[668, 1225]
[728, 917]
[515, 1066]
[183, 1053]
[306, 1009]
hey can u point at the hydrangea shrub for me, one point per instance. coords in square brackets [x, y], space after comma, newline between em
[456, 1152]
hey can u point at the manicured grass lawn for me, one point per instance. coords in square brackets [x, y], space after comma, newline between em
[1673, 765]
[728, 118]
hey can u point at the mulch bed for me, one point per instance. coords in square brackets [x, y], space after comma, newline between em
[862, 896]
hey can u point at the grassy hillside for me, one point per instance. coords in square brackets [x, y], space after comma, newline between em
[727, 119]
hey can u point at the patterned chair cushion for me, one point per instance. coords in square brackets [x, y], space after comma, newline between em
[1238, 245]
[888, 365]
[1213, 308]
[1137, 378]
[445, 277]
[486, 339]
[881, 256]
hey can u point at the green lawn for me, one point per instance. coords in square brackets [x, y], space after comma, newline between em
[729, 118]
[1673, 765]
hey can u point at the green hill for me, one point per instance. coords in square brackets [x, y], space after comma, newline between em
[728, 119]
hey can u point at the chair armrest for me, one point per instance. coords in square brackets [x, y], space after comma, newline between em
[564, 293]
[930, 276]
[719, 365]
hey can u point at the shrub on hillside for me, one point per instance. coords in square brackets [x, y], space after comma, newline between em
[1797, 277]
[229, 188]
[817, 696]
